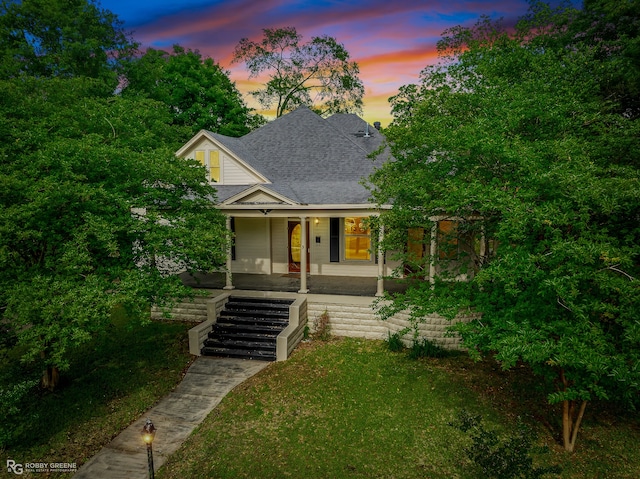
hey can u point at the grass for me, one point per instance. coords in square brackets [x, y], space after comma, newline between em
[342, 408]
[113, 380]
[351, 408]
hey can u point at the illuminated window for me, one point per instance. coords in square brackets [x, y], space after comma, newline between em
[200, 159]
[357, 239]
[448, 239]
[211, 162]
[415, 244]
[214, 166]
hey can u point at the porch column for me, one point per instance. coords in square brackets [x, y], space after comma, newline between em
[228, 279]
[303, 255]
[380, 283]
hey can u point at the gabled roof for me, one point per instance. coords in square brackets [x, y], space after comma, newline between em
[308, 159]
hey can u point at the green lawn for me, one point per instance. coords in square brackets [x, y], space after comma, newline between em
[344, 408]
[350, 408]
[113, 380]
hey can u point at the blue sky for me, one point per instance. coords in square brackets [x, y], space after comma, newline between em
[392, 40]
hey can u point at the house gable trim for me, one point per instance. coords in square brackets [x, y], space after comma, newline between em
[181, 153]
[248, 198]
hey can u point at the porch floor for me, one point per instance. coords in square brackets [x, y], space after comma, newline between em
[340, 285]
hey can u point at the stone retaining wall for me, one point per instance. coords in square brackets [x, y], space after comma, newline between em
[354, 317]
[350, 316]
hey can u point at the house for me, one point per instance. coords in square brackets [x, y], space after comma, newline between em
[295, 186]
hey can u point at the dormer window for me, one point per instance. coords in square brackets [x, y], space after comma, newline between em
[210, 159]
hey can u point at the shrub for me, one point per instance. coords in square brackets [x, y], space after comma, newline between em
[322, 327]
[502, 458]
[426, 349]
[394, 343]
[12, 399]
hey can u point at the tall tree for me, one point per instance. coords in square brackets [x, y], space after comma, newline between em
[318, 73]
[62, 38]
[95, 211]
[197, 91]
[516, 154]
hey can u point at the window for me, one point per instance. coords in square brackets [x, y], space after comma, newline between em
[357, 239]
[448, 239]
[214, 166]
[210, 159]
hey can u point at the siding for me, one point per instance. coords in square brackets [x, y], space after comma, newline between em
[253, 252]
[279, 245]
[236, 174]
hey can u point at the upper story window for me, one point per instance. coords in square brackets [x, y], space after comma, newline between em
[210, 159]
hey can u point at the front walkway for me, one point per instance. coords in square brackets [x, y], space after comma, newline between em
[207, 381]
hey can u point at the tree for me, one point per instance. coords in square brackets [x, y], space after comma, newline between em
[317, 73]
[516, 154]
[197, 91]
[47, 38]
[95, 211]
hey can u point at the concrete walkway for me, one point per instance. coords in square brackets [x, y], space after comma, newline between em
[207, 381]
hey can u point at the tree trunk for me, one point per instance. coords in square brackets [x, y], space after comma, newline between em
[571, 418]
[50, 378]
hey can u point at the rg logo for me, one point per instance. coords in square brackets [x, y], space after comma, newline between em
[12, 466]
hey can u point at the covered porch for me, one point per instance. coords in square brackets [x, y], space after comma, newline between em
[329, 285]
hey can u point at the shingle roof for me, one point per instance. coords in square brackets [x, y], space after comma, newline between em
[310, 159]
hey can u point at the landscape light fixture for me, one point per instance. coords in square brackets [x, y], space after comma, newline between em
[148, 433]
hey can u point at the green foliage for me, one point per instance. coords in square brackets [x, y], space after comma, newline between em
[502, 458]
[425, 348]
[95, 210]
[197, 92]
[12, 397]
[519, 139]
[112, 380]
[61, 38]
[394, 342]
[317, 73]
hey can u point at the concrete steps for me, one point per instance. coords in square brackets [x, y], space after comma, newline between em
[248, 328]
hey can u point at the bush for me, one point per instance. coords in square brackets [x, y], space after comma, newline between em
[12, 399]
[394, 343]
[502, 458]
[322, 327]
[426, 349]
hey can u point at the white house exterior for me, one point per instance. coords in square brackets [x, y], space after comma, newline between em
[298, 173]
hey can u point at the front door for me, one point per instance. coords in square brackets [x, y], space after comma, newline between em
[295, 248]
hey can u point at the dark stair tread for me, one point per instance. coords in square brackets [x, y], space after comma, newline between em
[254, 315]
[239, 344]
[241, 299]
[248, 334]
[250, 320]
[239, 353]
[248, 328]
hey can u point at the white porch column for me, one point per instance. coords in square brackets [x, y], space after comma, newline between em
[228, 279]
[303, 255]
[380, 283]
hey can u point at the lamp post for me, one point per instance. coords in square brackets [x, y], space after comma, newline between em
[148, 433]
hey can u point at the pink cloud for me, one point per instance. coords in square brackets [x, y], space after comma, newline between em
[392, 41]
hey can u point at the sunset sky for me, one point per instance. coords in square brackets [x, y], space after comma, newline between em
[392, 40]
